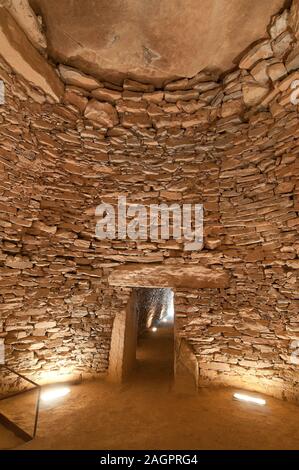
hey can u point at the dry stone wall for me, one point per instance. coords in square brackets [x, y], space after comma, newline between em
[152, 306]
[230, 143]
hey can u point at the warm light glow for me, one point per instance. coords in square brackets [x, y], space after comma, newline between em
[54, 393]
[170, 309]
[154, 329]
[243, 397]
[63, 374]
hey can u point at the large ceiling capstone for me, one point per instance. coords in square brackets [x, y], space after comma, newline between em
[156, 40]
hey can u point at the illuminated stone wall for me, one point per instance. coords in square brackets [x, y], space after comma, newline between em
[230, 143]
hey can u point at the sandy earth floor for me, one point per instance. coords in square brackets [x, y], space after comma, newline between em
[146, 413]
[8, 440]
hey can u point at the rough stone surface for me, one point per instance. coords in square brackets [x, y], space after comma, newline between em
[166, 38]
[103, 113]
[279, 24]
[24, 59]
[186, 368]
[195, 277]
[72, 76]
[241, 162]
[27, 20]
[254, 93]
[262, 50]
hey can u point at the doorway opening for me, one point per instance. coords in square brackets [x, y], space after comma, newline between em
[142, 342]
[154, 308]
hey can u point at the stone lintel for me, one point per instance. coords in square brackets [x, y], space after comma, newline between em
[158, 275]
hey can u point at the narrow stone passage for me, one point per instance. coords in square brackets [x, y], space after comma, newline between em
[155, 360]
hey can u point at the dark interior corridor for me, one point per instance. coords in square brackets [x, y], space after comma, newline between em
[155, 358]
[154, 308]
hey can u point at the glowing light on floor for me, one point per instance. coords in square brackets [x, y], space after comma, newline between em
[154, 329]
[54, 393]
[249, 399]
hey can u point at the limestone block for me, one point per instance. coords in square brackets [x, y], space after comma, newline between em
[102, 113]
[262, 50]
[168, 276]
[253, 93]
[75, 77]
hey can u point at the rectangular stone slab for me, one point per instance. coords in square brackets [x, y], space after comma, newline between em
[157, 275]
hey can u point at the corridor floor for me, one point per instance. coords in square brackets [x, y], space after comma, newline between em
[146, 413]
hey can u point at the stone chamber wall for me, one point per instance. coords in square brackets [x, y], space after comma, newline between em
[151, 306]
[229, 142]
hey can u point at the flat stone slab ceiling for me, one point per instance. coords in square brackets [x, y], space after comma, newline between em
[153, 40]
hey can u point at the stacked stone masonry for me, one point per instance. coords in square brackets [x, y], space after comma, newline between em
[229, 142]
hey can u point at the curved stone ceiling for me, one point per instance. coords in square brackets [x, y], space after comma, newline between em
[153, 40]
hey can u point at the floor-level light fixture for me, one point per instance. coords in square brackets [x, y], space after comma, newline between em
[249, 399]
[54, 393]
[154, 329]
